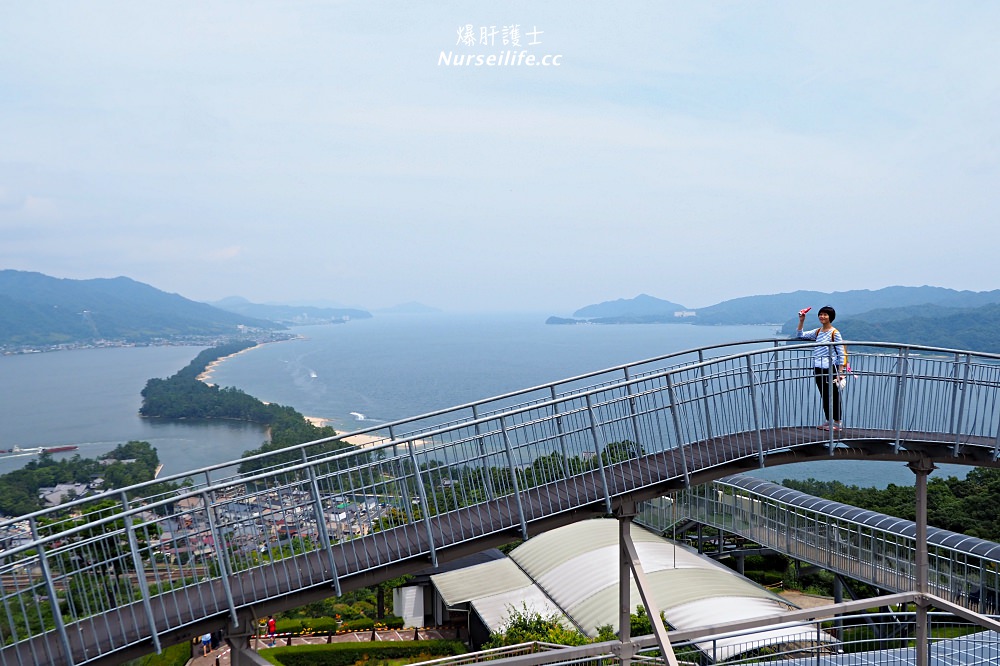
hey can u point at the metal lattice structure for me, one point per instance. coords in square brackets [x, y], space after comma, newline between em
[104, 577]
[855, 543]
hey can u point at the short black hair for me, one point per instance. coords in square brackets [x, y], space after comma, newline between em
[829, 310]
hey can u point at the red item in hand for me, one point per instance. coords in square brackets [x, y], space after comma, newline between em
[802, 312]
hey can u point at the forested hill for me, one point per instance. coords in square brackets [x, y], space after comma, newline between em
[781, 308]
[973, 328]
[184, 396]
[775, 308]
[41, 310]
[291, 314]
[966, 506]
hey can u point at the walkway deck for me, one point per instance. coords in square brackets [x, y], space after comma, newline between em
[232, 545]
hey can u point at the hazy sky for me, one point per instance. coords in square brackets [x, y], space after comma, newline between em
[291, 151]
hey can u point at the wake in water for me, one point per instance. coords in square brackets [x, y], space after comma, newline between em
[358, 416]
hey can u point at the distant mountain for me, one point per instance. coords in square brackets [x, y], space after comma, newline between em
[291, 314]
[39, 310]
[640, 306]
[782, 308]
[932, 326]
[643, 309]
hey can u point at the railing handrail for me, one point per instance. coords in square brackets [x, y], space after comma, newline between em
[487, 474]
[179, 476]
[787, 345]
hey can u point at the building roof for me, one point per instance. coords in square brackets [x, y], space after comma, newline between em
[495, 589]
[574, 572]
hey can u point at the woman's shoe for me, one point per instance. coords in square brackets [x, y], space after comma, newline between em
[837, 427]
[825, 426]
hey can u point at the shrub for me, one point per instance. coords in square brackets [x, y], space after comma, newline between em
[348, 654]
[287, 626]
[321, 625]
[346, 611]
[363, 608]
[360, 624]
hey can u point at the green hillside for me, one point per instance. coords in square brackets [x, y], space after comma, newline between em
[39, 310]
[781, 308]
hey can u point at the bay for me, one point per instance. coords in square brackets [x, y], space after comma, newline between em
[355, 375]
[90, 398]
[392, 367]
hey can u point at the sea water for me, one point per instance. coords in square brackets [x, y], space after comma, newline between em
[355, 375]
[90, 398]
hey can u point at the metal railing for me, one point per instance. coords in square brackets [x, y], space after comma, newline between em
[492, 654]
[836, 635]
[98, 575]
[860, 545]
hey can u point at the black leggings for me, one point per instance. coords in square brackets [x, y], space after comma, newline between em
[824, 382]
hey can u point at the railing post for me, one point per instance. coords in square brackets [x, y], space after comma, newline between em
[43, 562]
[404, 488]
[597, 451]
[321, 530]
[756, 415]
[897, 411]
[559, 430]
[424, 506]
[140, 573]
[704, 395]
[963, 389]
[776, 397]
[225, 570]
[629, 388]
[675, 413]
[513, 478]
[482, 452]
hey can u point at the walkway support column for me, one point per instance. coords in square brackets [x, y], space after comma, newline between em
[922, 468]
[629, 561]
[241, 654]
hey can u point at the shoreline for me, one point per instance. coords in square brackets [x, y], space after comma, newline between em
[206, 374]
[362, 441]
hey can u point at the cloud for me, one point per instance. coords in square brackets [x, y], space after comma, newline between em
[696, 151]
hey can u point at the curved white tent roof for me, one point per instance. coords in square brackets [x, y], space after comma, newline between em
[494, 588]
[574, 572]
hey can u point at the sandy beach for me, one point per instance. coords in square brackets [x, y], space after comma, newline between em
[362, 441]
[206, 374]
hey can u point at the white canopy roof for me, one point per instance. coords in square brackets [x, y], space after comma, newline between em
[572, 573]
[494, 589]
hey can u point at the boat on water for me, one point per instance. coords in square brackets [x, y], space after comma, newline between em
[35, 450]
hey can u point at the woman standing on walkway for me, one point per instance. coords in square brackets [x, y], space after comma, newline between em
[829, 363]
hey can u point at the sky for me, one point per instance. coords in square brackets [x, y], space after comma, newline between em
[292, 151]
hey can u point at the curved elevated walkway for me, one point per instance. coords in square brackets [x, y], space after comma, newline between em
[154, 564]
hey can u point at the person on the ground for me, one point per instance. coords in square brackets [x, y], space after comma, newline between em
[829, 364]
[206, 644]
[272, 630]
